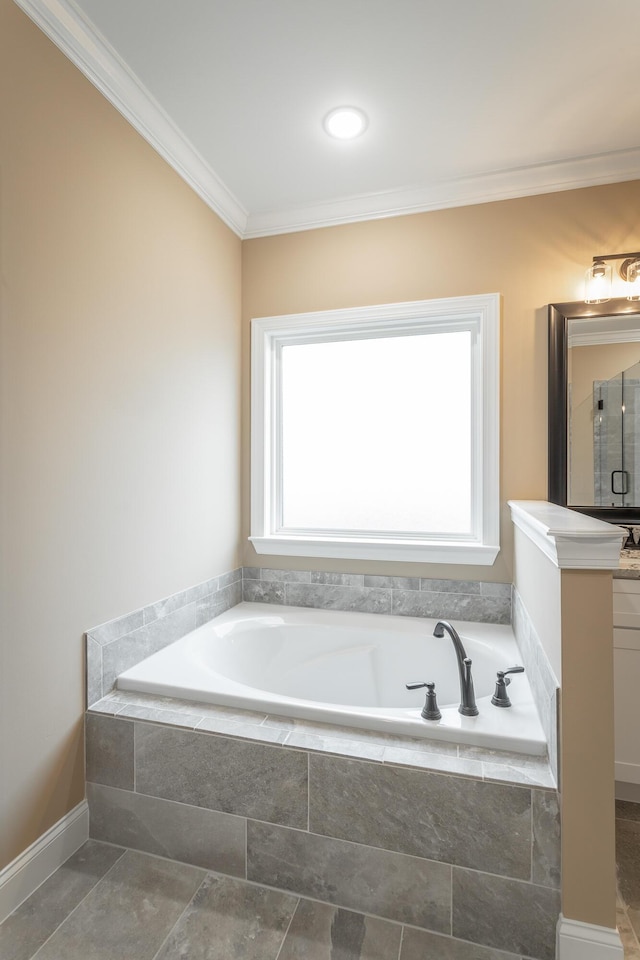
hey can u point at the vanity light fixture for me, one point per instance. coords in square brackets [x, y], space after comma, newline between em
[345, 123]
[598, 277]
[632, 271]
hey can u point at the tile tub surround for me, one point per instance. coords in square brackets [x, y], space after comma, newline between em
[114, 646]
[544, 686]
[398, 596]
[406, 844]
[423, 753]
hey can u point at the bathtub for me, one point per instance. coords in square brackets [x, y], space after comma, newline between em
[348, 669]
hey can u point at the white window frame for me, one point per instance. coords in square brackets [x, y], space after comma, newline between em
[480, 315]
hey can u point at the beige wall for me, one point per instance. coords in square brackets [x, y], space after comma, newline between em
[120, 340]
[587, 754]
[533, 251]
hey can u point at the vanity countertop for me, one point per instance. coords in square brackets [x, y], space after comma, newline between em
[629, 565]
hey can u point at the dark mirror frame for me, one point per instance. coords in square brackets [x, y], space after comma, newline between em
[559, 316]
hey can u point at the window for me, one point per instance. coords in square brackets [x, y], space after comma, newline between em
[375, 432]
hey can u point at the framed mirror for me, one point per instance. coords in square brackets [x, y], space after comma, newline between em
[594, 408]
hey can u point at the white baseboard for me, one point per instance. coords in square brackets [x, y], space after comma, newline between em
[586, 941]
[628, 772]
[24, 875]
[628, 791]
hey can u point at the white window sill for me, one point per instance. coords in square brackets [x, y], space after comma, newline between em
[360, 549]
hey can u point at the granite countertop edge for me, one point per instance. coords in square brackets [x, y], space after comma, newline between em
[629, 568]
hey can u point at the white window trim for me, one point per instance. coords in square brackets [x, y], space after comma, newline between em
[269, 333]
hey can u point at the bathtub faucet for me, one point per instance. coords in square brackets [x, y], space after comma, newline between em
[467, 706]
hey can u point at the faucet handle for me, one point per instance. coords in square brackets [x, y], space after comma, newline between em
[501, 697]
[430, 711]
[516, 669]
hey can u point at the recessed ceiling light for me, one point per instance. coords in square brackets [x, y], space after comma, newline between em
[345, 123]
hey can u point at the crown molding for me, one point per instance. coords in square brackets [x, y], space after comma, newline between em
[90, 52]
[485, 188]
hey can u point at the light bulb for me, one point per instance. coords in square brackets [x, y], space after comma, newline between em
[345, 123]
[633, 280]
[597, 283]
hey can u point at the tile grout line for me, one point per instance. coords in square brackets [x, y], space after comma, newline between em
[532, 828]
[397, 853]
[635, 940]
[246, 848]
[101, 673]
[330, 903]
[80, 902]
[308, 792]
[179, 803]
[199, 888]
[633, 929]
[500, 876]
[451, 899]
[286, 934]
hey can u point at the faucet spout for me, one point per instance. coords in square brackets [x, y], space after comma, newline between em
[467, 706]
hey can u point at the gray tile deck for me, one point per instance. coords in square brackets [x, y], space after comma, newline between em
[460, 821]
[109, 751]
[259, 779]
[479, 913]
[203, 838]
[478, 762]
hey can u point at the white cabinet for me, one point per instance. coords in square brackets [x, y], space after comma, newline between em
[626, 665]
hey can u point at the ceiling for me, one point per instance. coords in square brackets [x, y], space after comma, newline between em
[468, 100]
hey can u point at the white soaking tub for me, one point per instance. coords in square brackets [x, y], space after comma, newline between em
[348, 669]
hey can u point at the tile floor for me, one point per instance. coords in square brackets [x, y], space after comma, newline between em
[108, 903]
[628, 859]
